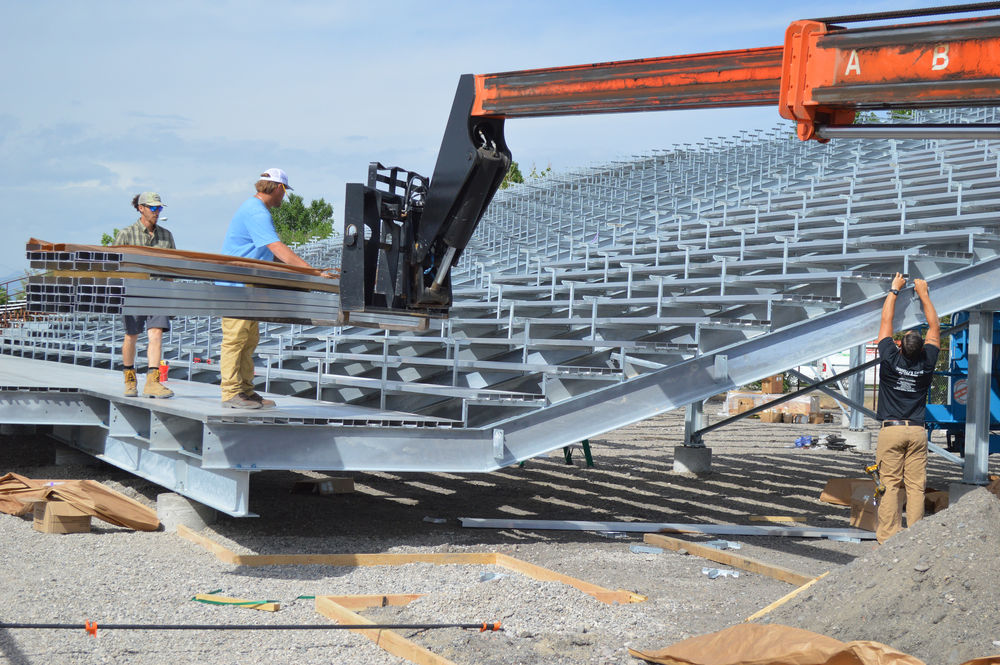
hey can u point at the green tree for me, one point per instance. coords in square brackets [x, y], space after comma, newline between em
[295, 222]
[513, 176]
[109, 239]
[879, 117]
[535, 173]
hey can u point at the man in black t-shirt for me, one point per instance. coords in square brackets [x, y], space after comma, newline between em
[905, 374]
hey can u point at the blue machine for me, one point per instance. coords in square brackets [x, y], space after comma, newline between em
[950, 416]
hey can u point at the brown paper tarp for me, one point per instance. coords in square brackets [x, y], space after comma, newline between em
[757, 644]
[89, 496]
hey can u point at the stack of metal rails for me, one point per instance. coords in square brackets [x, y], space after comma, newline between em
[642, 285]
[120, 281]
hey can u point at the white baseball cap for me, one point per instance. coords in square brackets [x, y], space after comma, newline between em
[275, 175]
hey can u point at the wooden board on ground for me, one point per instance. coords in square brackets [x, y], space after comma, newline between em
[391, 641]
[537, 572]
[363, 601]
[776, 518]
[784, 599]
[729, 559]
[437, 558]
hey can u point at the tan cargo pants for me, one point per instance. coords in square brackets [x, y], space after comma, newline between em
[902, 458]
[239, 341]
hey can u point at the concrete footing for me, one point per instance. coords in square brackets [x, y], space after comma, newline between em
[174, 509]
[861, 440]
[692, 460]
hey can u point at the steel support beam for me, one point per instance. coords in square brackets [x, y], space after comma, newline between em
[694, 420]
[977, 420]
[856, 390]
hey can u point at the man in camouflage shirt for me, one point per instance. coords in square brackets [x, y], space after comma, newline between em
[145, 233]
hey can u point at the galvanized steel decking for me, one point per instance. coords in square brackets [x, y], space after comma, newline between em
[591, 300]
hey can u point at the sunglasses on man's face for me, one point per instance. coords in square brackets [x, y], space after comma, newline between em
[155, 208]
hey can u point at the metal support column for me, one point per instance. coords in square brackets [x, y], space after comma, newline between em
[977, 420]
[694, 420]
[856, 389]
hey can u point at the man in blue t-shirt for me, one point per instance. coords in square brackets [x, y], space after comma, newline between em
[905, 374]
[251, 234]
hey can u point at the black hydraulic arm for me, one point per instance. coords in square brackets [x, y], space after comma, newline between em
[403, 233]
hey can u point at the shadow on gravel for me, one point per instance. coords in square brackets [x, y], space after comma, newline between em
[9, 649]
[755, 471]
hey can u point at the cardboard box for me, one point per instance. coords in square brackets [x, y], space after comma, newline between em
[773, 385]
[934, 500]
[770, 416]
[738, 401]
[60, 517]
[863, 511]
[839, 491]
[804, 405]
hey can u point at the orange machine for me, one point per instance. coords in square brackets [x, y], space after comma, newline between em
[404, 231]
[821, 76]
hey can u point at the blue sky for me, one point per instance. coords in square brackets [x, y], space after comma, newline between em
[103, 100]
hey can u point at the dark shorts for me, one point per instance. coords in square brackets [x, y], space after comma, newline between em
[135, 325]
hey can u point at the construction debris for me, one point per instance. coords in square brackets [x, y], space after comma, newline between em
[60, 517]
[87, 497]
[719, 572]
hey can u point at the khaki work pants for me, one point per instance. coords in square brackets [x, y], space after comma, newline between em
[239, 341]
[902, 458]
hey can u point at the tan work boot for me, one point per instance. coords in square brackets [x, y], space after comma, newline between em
[154, 388]
[131, 384]
[254, 397]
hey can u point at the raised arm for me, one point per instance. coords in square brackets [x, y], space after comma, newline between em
[933, 324]
[889, 307]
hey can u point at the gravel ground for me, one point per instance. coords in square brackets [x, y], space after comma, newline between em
[113, 575]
